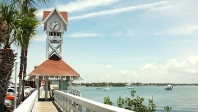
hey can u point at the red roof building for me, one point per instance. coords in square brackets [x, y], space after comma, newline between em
[54, 67]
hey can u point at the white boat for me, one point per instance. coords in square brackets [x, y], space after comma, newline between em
[106, 89]
[98, 85]
[130, 87]
[168, 87]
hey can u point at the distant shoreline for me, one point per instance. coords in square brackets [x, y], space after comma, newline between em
[103, 84]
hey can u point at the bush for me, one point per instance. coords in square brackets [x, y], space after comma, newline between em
[135, 103]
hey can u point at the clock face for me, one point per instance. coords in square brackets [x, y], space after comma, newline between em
[55, 26]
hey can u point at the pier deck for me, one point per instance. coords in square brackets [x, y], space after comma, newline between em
[45, 106]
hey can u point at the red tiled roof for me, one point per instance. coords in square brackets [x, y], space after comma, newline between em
[45, 14]
[54, 68]
[64, 15]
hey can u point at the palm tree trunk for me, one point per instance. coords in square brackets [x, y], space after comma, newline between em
[6, 64]
[21, 74]
[24, 71]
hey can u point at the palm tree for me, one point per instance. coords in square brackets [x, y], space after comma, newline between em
[10, 11]
[28, 26]
[29, 23]
[8, 15]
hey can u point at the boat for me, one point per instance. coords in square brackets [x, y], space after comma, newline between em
[130, 86]
[168, 87]
[106, 89]
[98, 85]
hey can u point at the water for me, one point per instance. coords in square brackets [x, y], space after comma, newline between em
[181, 98]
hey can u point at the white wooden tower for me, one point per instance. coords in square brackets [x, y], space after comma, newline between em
[55, 23]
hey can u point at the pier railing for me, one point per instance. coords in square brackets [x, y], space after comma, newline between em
[72, 103]
[29, 104]
[69, 101]
[73, 91]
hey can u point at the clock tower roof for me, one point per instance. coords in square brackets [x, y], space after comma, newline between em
[47, 14]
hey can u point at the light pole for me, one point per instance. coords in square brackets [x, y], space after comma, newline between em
[15, 85]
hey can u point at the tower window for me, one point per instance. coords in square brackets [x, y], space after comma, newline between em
[55, 34]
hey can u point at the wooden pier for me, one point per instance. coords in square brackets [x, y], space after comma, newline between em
[46, 106]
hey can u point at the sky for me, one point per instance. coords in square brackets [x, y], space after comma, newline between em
[147, 41]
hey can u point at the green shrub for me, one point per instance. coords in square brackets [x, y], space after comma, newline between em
[135, 103]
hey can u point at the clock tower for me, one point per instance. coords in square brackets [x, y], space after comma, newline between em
[55, 23]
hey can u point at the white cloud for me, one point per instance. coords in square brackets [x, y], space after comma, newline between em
[85, 34]
[108, 66]
[95, 65]
[193, 60]
[118, 10]
[117, 33]
[180, 21]
[173, 63]
[188, 66]
[172, 69]
[135, 74]
[157, 33]
[130, 33]
[149, 66]
[80, 5]
[108, 76]
[184, 29]
[124, 71]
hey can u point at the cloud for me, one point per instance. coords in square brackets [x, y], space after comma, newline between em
[180, 21]
[124, 71]
[79, 5]
[108, 76]
[157, 33]
[187, 67]
[118, 10]
[130, 33]
[193, 60]
[173, 63]
[184, 29]
[95, 65]
[171, 68]
[149, 66]
[117, 33]
[85, 34]
[134, 74]
[108, 66]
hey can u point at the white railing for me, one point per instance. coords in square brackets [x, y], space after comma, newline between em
[28, 104]
[73, 91]
[71, 103]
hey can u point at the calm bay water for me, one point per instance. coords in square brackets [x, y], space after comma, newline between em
[181, 98]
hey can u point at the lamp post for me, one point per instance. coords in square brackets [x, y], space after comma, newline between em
[15, 85]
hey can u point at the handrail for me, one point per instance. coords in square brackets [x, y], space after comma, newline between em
[69, 102]
[29, 103]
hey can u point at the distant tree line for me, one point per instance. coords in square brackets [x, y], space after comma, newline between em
[120, 84]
